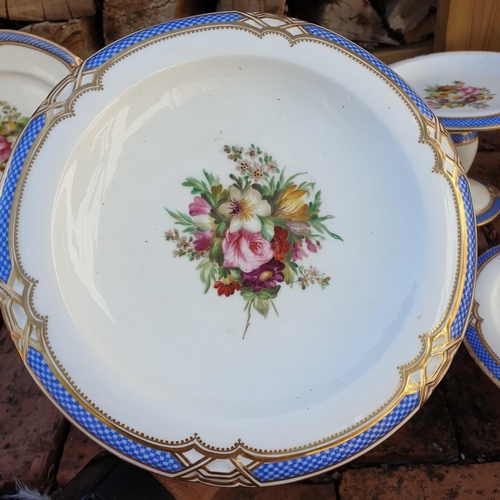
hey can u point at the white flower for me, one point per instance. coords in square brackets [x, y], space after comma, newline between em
[244, 208]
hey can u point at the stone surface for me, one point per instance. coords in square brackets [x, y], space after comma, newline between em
[31, 428]
[298, 491]
[78, 451]
[474, 403]
[423, 482]
[80, 36]
[418, 441]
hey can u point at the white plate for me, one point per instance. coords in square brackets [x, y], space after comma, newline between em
[119, 332]
[462, 88]
[483, 335]
[29, 68]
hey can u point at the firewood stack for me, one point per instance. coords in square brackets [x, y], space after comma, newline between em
[84, 26]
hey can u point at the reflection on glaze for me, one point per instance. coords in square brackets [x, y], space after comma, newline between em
[11, 125]
[249, 238]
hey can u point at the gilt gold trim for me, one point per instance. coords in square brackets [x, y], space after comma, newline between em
[436, 343]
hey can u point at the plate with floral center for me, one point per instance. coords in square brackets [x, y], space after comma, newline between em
[206, 272]
[29, 68]
[462, 87]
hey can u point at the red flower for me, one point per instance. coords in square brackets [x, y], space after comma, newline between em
[279, 244]
[226, 287]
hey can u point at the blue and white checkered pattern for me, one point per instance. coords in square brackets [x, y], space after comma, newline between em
[8, 36]
[476, 123]
[328, 35]
[458, 324]
[28, 137]
[103, 55]
[155, 458]
[471, 334]
[457, 139]
[487, 255]
[273, 471]
[490, 213]
[483, 355]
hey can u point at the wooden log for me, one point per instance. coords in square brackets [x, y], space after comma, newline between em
[120, 17]
[271, 6]
[405, 15]
[356, 20]
[80, 36]
[422, 30]
[46, 10]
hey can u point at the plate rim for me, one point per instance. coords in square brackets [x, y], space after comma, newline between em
[31, 140]
[474, 340]
[35, 42]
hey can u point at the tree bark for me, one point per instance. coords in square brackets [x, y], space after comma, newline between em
[357, 20]
[271, 6]
[80, 36]
[122, 17]
[46, 10]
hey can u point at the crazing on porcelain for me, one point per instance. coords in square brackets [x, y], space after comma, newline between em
[11, 125]
[457, 95]
[253, 235]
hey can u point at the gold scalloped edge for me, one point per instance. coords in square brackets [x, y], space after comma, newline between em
[431, 133]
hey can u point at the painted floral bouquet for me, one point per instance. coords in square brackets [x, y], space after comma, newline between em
[251, 236]
[457, 95]
[11, 125]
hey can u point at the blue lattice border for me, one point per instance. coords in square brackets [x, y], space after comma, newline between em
[53, 49]
[472, 340]
[271, 471]
[459, 138]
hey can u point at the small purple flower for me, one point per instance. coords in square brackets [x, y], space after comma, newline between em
[266, 276]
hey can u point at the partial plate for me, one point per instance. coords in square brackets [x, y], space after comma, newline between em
[263, 341]
[486, 198]
[462, 88]
[30, 67]
[483, 335]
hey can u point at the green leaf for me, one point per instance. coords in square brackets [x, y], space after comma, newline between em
[208, 273]
[220, 230]
[289, 273]
[247, 293]
[235, 274]
[267, 228]
[261, 306]
[261, 160]
[182, 220]
[215, 252]
[268, 293]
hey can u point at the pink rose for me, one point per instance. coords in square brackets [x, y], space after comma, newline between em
[202, 240]
[5, 149]
[246, 250]
[468, 89]
[199, 207]
[297, 252]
